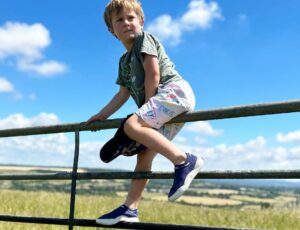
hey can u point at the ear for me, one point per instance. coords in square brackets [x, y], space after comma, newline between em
[111, 30]
[142, 23]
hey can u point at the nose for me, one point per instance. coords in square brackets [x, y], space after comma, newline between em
[126, 22]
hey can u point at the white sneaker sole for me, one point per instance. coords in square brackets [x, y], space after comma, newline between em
[188, 180]
[117, 220]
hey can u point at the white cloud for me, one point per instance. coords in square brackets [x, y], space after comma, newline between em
[26, 43]
[23, 40]
[203, 128]
[254, 154]
[47, 68]
[260, 141]
[289, 137]
[200, 15]
[180, 139]
[58, 149]
[295, 152]
[6, 86]
[166, 29]
[52, 149]
[31, 149]
[200, 140]
[18, 120]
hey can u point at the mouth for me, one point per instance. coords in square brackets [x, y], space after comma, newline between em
[127, 31]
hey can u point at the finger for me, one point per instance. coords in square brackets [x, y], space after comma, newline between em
[91, 120]
[88, 122]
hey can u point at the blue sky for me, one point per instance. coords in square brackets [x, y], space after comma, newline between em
[58, 64]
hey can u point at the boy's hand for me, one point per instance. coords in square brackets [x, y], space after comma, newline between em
[96, 117]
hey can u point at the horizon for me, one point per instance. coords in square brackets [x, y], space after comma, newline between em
[263, 183]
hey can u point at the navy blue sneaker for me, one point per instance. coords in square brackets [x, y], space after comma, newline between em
[121, 214]
[120, 144]
[184, 174]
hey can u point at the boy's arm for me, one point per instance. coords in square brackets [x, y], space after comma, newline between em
[116, 102]
[152, 75]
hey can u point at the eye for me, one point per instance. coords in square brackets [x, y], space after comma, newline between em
[131, 17]
[119, 19]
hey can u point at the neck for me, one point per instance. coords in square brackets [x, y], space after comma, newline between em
[128, 46]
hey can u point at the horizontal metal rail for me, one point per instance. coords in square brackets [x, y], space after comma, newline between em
[291, 174]
[92, 223]
[212, 114]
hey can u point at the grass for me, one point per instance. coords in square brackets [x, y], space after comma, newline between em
[209, 200]
[278, 201]
[90, 207]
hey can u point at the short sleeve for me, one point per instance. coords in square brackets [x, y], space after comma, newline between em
[145, 44]
[149, 46]
[120, 79]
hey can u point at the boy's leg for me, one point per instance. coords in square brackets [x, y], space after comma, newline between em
[128, 211]
[144, 163]
[171, 100]
[138, 130]
[187, 166]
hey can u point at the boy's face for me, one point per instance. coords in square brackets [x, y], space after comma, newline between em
[125, 25]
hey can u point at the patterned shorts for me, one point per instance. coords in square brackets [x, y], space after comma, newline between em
[171, 100]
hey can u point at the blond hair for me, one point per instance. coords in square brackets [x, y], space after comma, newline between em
[118, 5]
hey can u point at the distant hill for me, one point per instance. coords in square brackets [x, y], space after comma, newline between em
[262, 183]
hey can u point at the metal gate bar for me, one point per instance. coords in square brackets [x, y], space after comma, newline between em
[74, 178]
[288, 174]
[201, 115]
[92, 223]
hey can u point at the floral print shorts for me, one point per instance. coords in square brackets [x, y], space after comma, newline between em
[171, 100]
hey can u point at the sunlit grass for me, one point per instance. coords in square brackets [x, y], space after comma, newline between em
[90, 207]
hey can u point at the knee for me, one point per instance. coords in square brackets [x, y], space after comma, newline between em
[130, 125]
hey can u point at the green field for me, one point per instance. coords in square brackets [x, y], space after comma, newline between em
[53, 204]
[204, 204]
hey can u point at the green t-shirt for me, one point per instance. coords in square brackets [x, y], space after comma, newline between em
[131, 72]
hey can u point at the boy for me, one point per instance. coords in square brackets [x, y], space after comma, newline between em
[147, 74]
